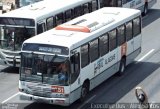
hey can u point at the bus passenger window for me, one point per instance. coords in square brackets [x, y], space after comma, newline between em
[112, 39]
[78, 11]
[59, 19]
[136, 26]
[86, 8]
[103, 44]
[110, 3]
[129, 32]
[84, 55]
[102, 2]
[119, 3]
[121, 35]
[40, 28]
[94, 52]
[50, 23]
[125, 1]
[94, 5]
[68, 15]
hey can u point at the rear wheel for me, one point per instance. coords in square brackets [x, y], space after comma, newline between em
[122, 67]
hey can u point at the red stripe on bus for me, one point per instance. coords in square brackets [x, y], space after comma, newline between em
[73, 28]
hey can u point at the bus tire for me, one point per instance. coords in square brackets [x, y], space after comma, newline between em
[84, 91]
[122, 67]
[145, 11]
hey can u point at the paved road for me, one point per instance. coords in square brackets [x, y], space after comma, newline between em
[143, 72]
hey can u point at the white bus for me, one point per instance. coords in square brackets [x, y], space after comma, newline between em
[27, 2]
[62, 65]
[22, 23]
[142, 5]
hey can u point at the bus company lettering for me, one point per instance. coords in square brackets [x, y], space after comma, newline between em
[100, 63]
[110, 59]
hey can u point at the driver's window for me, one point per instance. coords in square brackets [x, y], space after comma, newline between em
[75, 67]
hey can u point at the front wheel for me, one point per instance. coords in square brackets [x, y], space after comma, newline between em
[84, 92]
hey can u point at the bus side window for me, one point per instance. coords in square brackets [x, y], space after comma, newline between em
[107, 3]
[129, 32]
[102, 2]
[113, 3]
[75, 67]
[78, 11]
[86, 8]
[121, 35]
[50, 23]
[112, 39]
[68, 15]
[93, 49]
[103, 44]
[125, 1]
[94, 5]
[84, 55]
[119, 3]
[59, 18]
[136, 26]
[40, 28]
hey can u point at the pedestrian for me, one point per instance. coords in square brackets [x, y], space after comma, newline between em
[142, 98]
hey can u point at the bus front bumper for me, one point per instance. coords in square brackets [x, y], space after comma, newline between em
[9, 58]
[56, 101]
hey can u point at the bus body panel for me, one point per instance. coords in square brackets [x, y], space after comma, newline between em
[106, 67]
[75, 91]
[137, 42]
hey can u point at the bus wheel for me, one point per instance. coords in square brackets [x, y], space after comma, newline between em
[145, 11]
[122, 67]
[84, 91]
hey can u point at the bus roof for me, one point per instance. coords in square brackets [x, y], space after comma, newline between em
[106, 19]
[42, 8]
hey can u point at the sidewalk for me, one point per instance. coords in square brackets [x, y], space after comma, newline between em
[151, 85]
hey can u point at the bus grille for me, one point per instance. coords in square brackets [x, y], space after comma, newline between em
[39, 91]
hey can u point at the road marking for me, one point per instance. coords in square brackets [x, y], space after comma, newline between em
[146, 55]
[86, 102]
[10, 98]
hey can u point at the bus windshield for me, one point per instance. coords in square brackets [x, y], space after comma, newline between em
[11, 38]
[47, 69]
[13, 31]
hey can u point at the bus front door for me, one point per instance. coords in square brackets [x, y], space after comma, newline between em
[75, 76]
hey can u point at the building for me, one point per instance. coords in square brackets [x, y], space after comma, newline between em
[8, 5]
